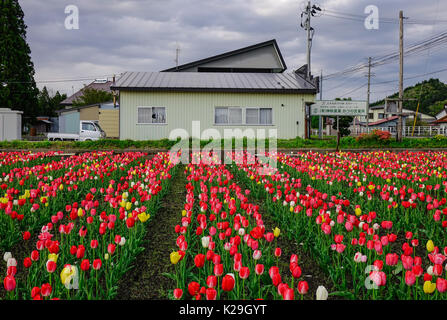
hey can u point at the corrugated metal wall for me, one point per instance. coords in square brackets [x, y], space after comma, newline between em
[183, 108]
[10, 126]
[69, 122]
[109, 122]
[91, 113]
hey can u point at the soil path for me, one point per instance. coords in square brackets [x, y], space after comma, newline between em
[146, 280]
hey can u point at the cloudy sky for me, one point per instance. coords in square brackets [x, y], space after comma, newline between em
[142, 35]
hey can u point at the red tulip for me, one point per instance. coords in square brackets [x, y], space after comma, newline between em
[9, 283]
[303, 287]
[218, 269]
[228, 282]
[199, 260]
[211, 281]
[35, 255]
[27, 262]
[46, 290]
[277, 252]
[97, 264]
[111, 248]
[296, 272]
[289, 294]
[211, 294]
[259, 269]
[193, 288]
[410, 278]
[178, 293]
[26, 235]
[85, 265]
[244, 272]
[51, 266]
[441, 285]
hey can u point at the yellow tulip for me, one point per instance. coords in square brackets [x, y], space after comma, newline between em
[53, 257]
[175, 257]
[143, 217]
[183, 213]
[128, 206]
[291, 209]
[430, 246]
[61, 187]
[67, 274]
[359, 184]
[122, 204]
[276, 232]
[358, 211]
[429, 287]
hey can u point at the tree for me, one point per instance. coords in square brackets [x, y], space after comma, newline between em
[47, 105]
[18, 89]
[92, 96]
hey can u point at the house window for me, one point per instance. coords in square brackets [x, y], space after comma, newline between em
[228, 115]
[371, 115]
[151, 115]
[381, 116]
[259, 116]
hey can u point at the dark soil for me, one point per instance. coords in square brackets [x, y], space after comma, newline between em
[146, 280]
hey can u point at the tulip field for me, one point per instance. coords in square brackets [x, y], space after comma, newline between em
[300, 226]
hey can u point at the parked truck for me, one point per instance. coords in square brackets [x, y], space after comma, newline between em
[88, 130]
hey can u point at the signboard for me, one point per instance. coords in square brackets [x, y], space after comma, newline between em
[338, 108]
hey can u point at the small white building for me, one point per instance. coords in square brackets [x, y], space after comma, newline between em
[10, 124]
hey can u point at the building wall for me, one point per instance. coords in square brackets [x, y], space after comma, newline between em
[69, 122]
[91, 113]
[10, 126]
[183, 108]
[109, 122]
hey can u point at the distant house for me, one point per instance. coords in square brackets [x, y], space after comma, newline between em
[106, 114]
[377, 113]
[441, 118]
[244, 88]
[46, 124]
[98, 84]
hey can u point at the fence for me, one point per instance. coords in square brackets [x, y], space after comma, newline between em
[419, 131]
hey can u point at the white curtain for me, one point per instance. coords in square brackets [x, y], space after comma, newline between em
[251, 116]
[265, 116]
[144, 115]
[221, 115]
[235, 115]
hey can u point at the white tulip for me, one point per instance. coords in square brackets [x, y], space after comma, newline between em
[205, 241]
[12, 262]
[7, 256]
[321, 293]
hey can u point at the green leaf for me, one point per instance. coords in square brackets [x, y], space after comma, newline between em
[346, 294]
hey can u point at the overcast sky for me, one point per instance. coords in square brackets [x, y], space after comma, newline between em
[141, 35]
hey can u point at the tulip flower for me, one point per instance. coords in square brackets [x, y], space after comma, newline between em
[303, 287]
[430, 246]
[321, 293]
[228, 282]
[429, 287]
[178, 293]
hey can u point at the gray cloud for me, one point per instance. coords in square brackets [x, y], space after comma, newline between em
[139, 35]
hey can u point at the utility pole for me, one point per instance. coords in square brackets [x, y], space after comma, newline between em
[305, 24]
[320, 118]
[309, 39]
[401, 75]
[368, 93]
[177, 51]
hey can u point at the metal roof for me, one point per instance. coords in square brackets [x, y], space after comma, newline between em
[229, 54]
[214, 81]
[104, 86]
